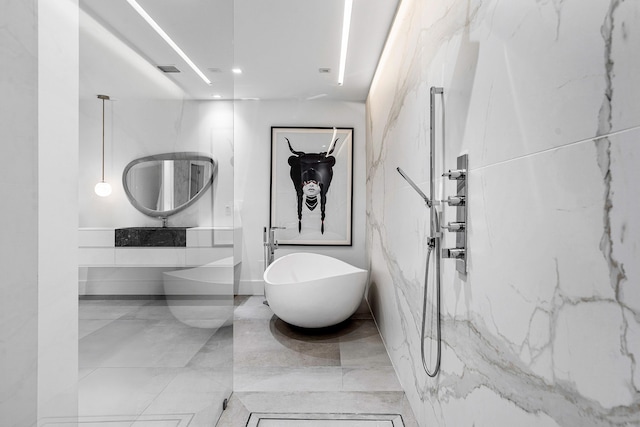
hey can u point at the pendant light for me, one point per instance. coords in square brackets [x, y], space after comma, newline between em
[103, 189]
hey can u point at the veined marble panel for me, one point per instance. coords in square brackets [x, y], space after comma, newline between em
[519, 76]
[544, 329]
[538, 322]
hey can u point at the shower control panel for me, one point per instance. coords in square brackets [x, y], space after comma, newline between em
[459, 226]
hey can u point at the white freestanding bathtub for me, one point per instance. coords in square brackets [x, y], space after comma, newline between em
[202, 297]
[312, 290]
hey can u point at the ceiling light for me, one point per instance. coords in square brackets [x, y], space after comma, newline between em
[102, 188]
[216, 96]
[167, 39]
[236, 71]
[346, 23]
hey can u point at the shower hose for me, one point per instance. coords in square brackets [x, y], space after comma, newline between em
[432, 246]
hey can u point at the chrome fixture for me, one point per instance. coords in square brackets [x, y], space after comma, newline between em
[455, 253]
[456, 174]
[459, 253]
[270, 244]
[433, 242]
[455, 201]
[455, 226]
[103, 188]
[415, 187]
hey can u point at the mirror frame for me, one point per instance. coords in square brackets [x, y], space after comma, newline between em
[168, 156]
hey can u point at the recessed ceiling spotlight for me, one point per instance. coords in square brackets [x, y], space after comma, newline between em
[216, 96]
[250, 99]
[236, 71]
[324, 70]
[215, 70]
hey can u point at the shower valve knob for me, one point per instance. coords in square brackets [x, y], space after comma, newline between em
[455, 201]
[455, 174]
[454, 226]
[455, 253]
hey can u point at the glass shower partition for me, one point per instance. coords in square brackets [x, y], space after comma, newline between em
[155, 303]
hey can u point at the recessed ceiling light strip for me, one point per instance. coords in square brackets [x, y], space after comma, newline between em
[143, 13]
[346, 24]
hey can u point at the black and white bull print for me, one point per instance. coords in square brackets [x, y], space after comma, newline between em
[311, 174]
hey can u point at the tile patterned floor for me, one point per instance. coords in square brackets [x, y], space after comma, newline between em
[139, 365]
[279, 368]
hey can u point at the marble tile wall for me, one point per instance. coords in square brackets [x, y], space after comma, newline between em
[544, 329]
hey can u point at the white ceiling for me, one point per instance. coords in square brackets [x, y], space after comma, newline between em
[279, 44]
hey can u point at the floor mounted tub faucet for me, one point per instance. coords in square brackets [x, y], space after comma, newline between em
[270, 244]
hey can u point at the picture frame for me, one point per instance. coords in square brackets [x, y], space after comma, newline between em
[312, 185]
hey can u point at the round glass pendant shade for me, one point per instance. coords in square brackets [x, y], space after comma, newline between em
[103, 189]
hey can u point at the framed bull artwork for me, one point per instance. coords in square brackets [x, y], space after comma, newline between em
[311, 185]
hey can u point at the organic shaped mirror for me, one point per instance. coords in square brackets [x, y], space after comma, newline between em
[164, 184]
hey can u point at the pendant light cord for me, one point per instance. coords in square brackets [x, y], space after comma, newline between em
[103, 98]
[102, 139]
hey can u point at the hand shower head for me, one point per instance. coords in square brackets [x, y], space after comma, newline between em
[415, 187]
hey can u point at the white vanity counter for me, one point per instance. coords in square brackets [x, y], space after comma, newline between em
[204, 245]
